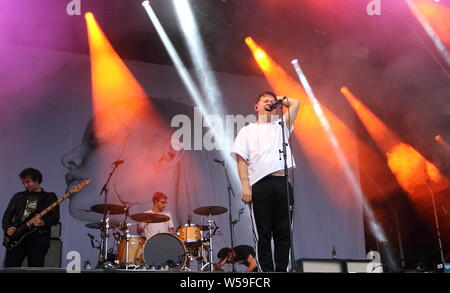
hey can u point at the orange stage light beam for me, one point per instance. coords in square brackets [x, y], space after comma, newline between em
[307, 128]
[112, 82]
[412, 171]
[126, 125]
[113, 85]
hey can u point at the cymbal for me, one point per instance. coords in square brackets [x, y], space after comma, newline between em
[113, 209]
[100, 225]
[125, 226]
[210, 210]
[150, 218]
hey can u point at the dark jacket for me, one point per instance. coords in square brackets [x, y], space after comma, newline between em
[16, 208]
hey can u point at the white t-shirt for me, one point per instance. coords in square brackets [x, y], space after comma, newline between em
[151, 229]
[259, 145]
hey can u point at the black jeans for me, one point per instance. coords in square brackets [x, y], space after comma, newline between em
[34, 247]
[270, 208]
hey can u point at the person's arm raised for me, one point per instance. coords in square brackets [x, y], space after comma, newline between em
[292, 106]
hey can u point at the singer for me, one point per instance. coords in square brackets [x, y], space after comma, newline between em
[261, 171]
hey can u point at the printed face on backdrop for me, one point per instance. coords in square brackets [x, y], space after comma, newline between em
[150, 162]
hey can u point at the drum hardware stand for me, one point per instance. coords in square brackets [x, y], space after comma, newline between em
[204, 257]
[105, 232]
[190, 257]
[201, 253]
[127, 238]
[186, 266]
[210, 237]
[125, 226]
[103, 257]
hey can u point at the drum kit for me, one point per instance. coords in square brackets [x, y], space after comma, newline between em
[161, 252]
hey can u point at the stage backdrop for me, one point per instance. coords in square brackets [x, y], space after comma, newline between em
[46, 116]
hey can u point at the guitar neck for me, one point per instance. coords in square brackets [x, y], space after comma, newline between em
[49, 208]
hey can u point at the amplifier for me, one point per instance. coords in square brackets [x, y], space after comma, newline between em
[53, 257]
[363, 266]
[317, 265]
[55, 231]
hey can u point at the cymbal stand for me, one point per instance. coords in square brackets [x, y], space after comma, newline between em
[204, 255]
[200, 256]
[127, 238]
[103, 257]
[104, 251]
[211, 253]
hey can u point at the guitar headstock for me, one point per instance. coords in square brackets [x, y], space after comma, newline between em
[80, 186]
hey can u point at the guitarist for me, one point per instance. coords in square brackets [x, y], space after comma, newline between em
[23, 204]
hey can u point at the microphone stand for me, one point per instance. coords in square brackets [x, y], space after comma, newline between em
[438, 230]
[230, 192]
[105, 230]
[288, 193]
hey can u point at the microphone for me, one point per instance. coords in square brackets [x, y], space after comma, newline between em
[92, 237]
[270, 108]
[219, 161]
[118, 162]
[189, 220]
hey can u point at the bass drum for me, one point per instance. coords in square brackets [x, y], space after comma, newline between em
[165, 251]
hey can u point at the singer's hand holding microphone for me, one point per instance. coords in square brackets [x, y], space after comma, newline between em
[280, 101]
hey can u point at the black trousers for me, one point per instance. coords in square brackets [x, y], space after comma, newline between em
[270, 209]
[34, 247]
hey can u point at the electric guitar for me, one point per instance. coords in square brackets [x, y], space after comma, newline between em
[23, 229]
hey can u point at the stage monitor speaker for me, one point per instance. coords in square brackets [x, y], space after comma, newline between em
[55, 231]
[316, 265]
[54, 254]
[444, 267]
[362, 266]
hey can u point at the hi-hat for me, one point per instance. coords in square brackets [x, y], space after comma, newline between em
[210, 210]
[100, 225]
[113, 209]
[150, 218]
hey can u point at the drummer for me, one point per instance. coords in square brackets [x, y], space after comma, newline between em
[159, 205]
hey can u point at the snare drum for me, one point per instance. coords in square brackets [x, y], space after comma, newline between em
[135, 245]
[165, 251]
[190, 234]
